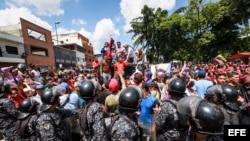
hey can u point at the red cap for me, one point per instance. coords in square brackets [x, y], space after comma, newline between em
[113, 85]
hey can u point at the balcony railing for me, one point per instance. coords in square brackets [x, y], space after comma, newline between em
[11, 55]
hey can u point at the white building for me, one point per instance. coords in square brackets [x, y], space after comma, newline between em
[11, 49]
[71, 38]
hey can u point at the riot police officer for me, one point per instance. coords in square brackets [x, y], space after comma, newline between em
[26, 120]
[8, 115]
[91, 114]
[125, 125]
[167, 121]
[50, 124]
[204, 118]
[225, 96]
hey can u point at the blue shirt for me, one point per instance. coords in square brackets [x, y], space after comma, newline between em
[146, 110]
[201, 86]
[73, 103]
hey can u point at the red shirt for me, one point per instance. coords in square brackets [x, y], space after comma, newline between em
[16, 98]
[95, 65]
[119, 66]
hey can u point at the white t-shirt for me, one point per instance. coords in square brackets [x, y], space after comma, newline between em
[36, 75]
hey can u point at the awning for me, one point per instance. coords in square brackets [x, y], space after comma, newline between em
[240, 55]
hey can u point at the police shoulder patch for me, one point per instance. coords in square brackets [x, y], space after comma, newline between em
[47, 126]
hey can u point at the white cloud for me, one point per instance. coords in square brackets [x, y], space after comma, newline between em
[39, 7]
[78, 22]
[132, 9]
[14, 15]
[62, 30]
[103, 30]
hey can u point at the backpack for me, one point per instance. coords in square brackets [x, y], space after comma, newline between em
[176, 134]
[21, 127]
[110, 121]
[84, 121]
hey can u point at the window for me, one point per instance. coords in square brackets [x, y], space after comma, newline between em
[11, 50]
[36, 35]
[38, 51]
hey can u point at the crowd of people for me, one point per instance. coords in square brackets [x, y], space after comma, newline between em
[189, 103]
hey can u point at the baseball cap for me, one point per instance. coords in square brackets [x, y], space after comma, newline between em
[202, 74]
[39, 86]
[196, 71]
[64, 85]
[149, 73]
[113, 85]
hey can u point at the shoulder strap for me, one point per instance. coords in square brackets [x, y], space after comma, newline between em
[109, 126]
[181, 119]
[172, 102]
[66, 101]
[83, 118]
[14, 78]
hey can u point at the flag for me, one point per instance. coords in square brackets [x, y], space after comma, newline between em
[109, 53]
[220, 59]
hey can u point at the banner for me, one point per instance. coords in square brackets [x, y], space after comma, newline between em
[163, 68]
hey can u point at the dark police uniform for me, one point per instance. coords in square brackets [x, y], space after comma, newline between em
[50, 125]
[8, 117]
[95, 130]
[167, 122]
[29, 131]
[126, 129]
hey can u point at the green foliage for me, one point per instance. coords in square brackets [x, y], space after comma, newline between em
[197, 32]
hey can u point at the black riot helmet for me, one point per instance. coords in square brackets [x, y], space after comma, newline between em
[21, 67]
[87, 90]
[2, 91]
[203, 116]
[27, 107]
[141, 67]
[49, 98]
[177, 87]
[209, 118]
[129, 100]
[229, 96]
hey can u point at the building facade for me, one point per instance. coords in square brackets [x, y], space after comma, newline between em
[65, 57]
[11, 50]
[79, 43]
[89, 52]
[38, 46]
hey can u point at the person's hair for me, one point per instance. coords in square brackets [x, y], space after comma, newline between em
[138, 78]
[32, 65]
[231, 74]
[101, 97]
[117, 77]
[220, 74]
[145, 86]
[191, 83]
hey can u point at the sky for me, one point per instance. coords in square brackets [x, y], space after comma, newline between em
[95, 19]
